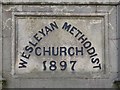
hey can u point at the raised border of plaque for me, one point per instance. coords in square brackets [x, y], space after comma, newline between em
[105, 70]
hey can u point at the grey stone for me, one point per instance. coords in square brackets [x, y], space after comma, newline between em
[18, 18]
[62, 1]
[1, 46]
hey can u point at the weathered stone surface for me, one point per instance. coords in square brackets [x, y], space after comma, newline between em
[24, 21]
[0, 82]
[62, 1]
[118, 38]
[1, 46]
[61, 37]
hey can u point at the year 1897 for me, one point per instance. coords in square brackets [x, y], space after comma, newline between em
[53, 65]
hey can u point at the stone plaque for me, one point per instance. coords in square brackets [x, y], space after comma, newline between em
[59, 46]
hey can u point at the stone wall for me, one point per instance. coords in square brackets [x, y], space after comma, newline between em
[20, 21]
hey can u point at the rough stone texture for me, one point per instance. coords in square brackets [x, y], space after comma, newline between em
[0, 85]
[0, 46]
[27, 26]
[118, 38]
[63, 1]
[111, 15]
